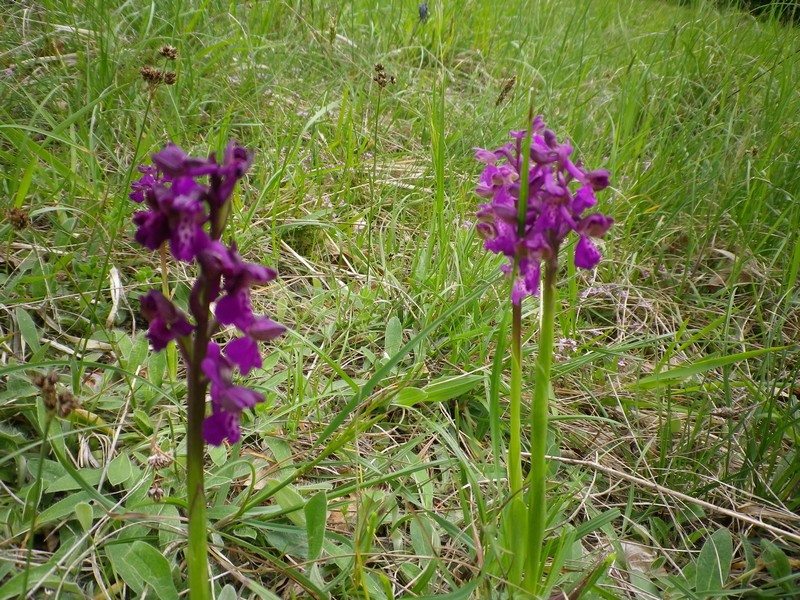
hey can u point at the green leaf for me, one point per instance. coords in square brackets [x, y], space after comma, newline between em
[67, 483]
[439, 390]
[289, 498]
[714, 562]
[120, 469]
[316, 511]
[27, 329]
[218, 454]
[61, 509]
[447, 388]
[139, 564]
[137, 355]
[228, 593]
[84, 514]
[393, 338]
[464, 593]
[775, 560]
[696, 368]
[409, 397]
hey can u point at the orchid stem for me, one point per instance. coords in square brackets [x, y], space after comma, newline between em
[537, 503]
[172, 351]
[197, 551]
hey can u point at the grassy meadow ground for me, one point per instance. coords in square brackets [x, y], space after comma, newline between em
[676, 409]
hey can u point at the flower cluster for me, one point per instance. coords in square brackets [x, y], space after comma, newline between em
[559, 191]
[191, 217]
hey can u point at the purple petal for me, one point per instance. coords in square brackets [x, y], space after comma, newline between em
[584, 198]
[234, 309]
[216, 367]
[599, 179]
[221, 425]
[236, 398]
[595, 225]
[170, 160]
[244, 353]
[485, 156]
[265, 330]
[586, 254]
[153, 229]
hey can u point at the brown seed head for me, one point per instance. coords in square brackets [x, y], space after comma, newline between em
[47, 383]
[156, 492]
[170, 77]
[169, 52]
[158, 459]
[151, 75]
[66, 404]
[18, 218]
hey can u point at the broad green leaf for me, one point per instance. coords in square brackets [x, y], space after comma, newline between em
[701, 366]
[139, 564]
[44, 575]
[218, 454]
[228, 593]
[447, 388]
[464, 593]
[289, 498]
[120, 469]
[84, 514]
[439, 390]
[409, 397]
[714, 562]
[27, 328]
[393, 338]
[316, 511]
[155, 368]
[137, 355]
[61, 509]
[776, 561]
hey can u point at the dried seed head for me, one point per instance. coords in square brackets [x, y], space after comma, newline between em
[18, 218]
[158, 459]
[156, 492]
[382, 77]
[47, 383]
[170, 77]
[151, 75]
[507, 87]
[169, 52]
[67, 402]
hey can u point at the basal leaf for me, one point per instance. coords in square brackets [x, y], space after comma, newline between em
[316, 511]
[714, 562]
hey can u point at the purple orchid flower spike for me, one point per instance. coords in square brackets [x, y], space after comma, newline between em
[559, 192]
[190, 216]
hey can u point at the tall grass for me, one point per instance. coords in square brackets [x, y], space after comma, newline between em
[374, 469]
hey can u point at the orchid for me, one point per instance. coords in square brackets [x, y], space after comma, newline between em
[190, 216]
[537, 195]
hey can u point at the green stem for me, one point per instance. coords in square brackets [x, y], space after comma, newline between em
[517, 504]
[537, 503]
[197, 551]
[172, 351]
[515, 401]
[35, 495]
[517, 515]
